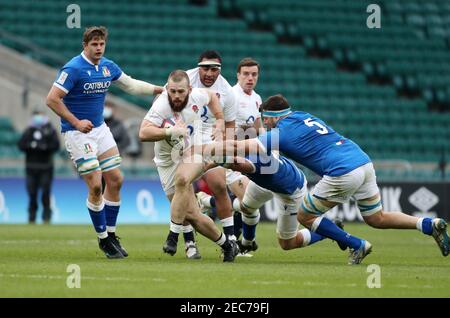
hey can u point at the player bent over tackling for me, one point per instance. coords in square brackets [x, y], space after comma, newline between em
[346, 171]
[270, 172]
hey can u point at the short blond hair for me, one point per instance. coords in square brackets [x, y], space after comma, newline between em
[178, 76]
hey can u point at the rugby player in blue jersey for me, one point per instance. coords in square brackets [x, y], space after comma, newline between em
[271, 175]
[78, 96]
[346, 171]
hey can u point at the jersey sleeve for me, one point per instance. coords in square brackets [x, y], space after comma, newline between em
[115, 70]
[156, 115]
[202, 97]
[230, 106]
[259, 102]
[270, 140]
[66, 79]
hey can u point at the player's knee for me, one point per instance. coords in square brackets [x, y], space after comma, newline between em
[372, 211]
[285, 244]
[95, 189]
[219, 190]
[287, 239]
[115, 181]
[375, 220]
[181, 180]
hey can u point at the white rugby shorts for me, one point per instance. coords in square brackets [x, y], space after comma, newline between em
[360, 183]
[167, 177]
[287, 206]
[88, 145]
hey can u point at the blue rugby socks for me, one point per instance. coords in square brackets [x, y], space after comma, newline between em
[327, 228]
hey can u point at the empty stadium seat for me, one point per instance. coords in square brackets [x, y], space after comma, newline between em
[148, 39]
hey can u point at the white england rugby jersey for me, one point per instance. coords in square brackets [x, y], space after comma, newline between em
[247, 106]
[227, 101]
[161, 112]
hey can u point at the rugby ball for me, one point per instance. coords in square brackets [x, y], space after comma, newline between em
[170, 122]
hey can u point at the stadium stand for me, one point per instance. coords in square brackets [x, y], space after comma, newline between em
[8, 139]
[380, 87]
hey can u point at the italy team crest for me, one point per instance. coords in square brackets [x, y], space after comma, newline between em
[87, 148]
[106, 72]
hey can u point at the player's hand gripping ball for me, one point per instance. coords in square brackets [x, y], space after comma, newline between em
[177, 133]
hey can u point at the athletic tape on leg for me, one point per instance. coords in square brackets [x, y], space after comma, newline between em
[85, 166]
[110, 163]
[369, 207]
[314, 206]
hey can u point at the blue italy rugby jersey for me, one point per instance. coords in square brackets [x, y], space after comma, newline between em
[275, 173]
[86, 86]
[309, 141]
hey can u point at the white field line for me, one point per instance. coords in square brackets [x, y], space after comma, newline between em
[61, 277]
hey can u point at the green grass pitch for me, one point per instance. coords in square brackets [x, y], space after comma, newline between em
[34, 260]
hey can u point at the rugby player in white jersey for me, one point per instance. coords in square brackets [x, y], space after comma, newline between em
[248, 124]
[207, 75]
[78, 96]
[181, 106]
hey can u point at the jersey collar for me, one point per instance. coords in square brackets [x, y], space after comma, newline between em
[242, 90]
[87, 60]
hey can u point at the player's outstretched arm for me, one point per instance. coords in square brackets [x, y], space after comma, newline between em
[54, 101]
[150, 132]
[244, 148]
[137, 87]
[240, 164]
[222, 150]
[235, 163]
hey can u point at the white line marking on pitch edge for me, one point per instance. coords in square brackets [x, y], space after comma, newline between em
[83, 277]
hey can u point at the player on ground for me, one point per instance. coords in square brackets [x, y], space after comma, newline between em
[78, 96]
[182, 105]
[346, 171]
[272, 175]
